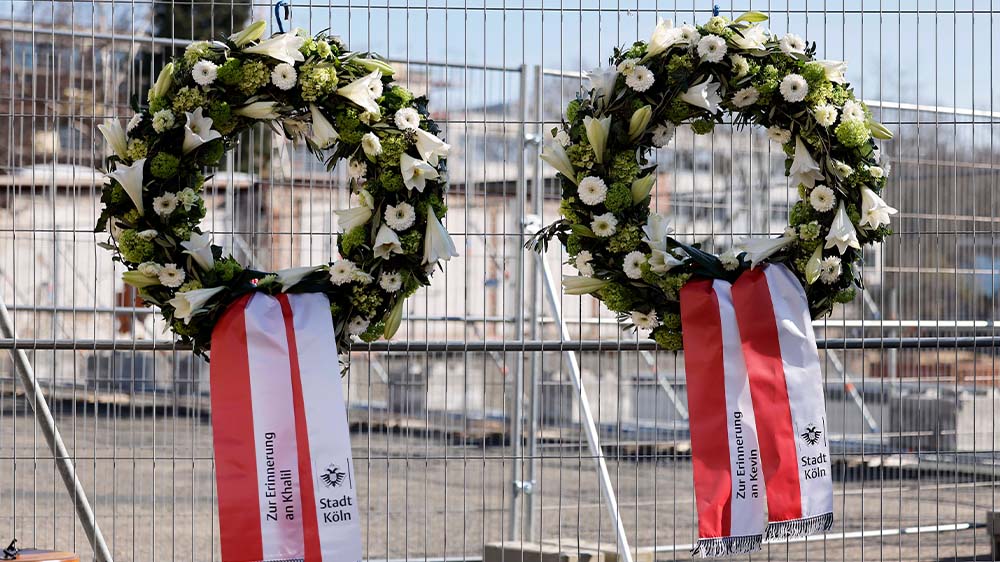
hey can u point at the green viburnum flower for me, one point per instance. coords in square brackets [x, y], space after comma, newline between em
[814, 74]
[679, 64]
[220, 112]
[573, 244]
[670, 340]
[365, 301]
[717, 25]
[137, 148]
[227, 269]
[671, 284]
[852, 133]
[317, 80]
[840, 95]
[393, 146]
[801, 213]
[191, 285]
[567, 212]
[349, 126]
[572, 108]
[581, 156]
[353, 239]
[253, 76]
[679, 111]
[819, 94]
[703, 126]
[134, 248]
[391, 180]
[412, 241]
[397, 97]
[197, 51]
[230, 72]
[768, 79]
[619, 197]
[182, 231]
[210, 154]
[625, 240]
[187, 99]
[323, 49]
[624, 167]
[672, 321]
[845, 296]
[373, 332]
[809, 231]
[618, 297]
[158, 104]
[164, 165]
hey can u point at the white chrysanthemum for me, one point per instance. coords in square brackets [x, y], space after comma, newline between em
[400, 217]
[371, 145]
[779, 135]
[794, 88]
[740, 65]
[390, 281]
[792, 44]
[171, 276]
[627, 66]
[842, 169]
[633, 264]
[604, 225]
[853, 111]
[407, 119]
[165, 204]
[730, 260]
[562, 137]
[204, 72]
[163, 120]
[746, 97]
[641, 79]
[711, 48]
[284, 76]
[343, 271]
[822, 198]
[825, 114]
[645, 321]
[876, 171]
[829, 270]
[583, 264]
[149, 268]
[689, 34]
[357, 326]
[592, 190]
[663, 134]
[133, 122]
[356, 169]
[790, 232]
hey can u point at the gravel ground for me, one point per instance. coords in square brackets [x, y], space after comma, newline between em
[152, 484]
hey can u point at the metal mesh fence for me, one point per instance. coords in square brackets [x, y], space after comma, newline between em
[468, 430]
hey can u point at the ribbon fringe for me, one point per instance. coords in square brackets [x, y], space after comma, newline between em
[777, 530]
[726, 546]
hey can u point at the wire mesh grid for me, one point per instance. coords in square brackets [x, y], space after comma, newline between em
[468, 433]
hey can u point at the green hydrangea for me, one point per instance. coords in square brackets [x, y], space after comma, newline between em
[567, 212]
[618, 297]
[669, 340]
[365, 301]
[703, 126]
[192, 285]
[132, 216]
[412, 241]
[137, 148]
[118, 195]
[323, 49]
[230, 72]
[672, 321]
[852, 133]
[182, 231]
[220, 113]
[574, 244]
[157, 104]
[679, 64]
[227, 269]
[814, 74]
[210, 154]
[671, 284]
[679, 111]
[374, 332]
[197, 51]
[845, 296]
[582, 156]
[188, 99]
[717, 25]
[254, 75]
[391, 180]
[840, 95]
[133, 248]
[317, 80]
[809, 231]
[768, 79]
[164, 165]
[353, 239]
[349, 126]
[625, 240]
[397, 97]
[393, 147]
[619, 197]
[572, 110]
[801, 213]
[624, 167]
[820, 93]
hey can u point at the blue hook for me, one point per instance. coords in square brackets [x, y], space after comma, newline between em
[277, 14]
[715, 10]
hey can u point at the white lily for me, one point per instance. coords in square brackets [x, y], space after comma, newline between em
[140, 280]
[163, 83]
[198, 130]
[130, 178]
[199, 247]
[556, 156]
[874, 210]
[834, 70]
[602, 82]
[656, 229]
[581, 285]
[387, 242]
[752, 38]
[804, 169]
[188, 303]
[349, 219]
[115, 135]
[323, 133]
[759, 249]
[662, 262]
[664, 36]
[597, 135]
[704, 95]
[430, 147]
[288, 278]
[639, 121]
[416, 172]
[813, 265]
[283, 46]
[361, 92]
[252, 33]
[438, 244]
[842, 234]
[259, 110]
[642, 186]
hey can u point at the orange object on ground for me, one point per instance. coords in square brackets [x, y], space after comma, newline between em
[29, 555]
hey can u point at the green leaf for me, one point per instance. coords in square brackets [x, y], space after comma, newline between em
[879, 130]
[752, 17]
[581, 230]
[394, 319]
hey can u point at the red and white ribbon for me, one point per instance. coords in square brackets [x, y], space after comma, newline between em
[284, 469]
[758, 422]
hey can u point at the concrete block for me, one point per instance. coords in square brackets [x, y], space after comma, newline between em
[993, 531]
[518, 551]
